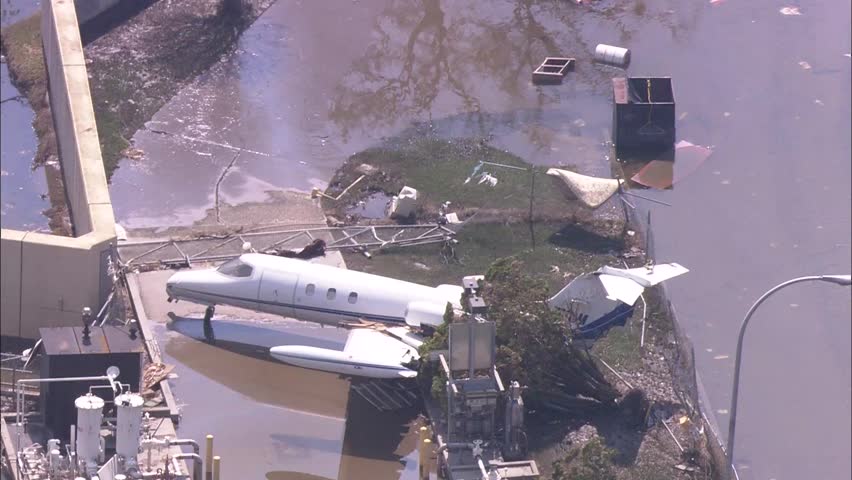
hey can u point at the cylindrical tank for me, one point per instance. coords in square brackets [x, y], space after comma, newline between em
[620, 57]
[89, 416]
[128, 423]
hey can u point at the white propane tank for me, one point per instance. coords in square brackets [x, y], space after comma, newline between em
[128, 424]
[89, 416]
[620, 57]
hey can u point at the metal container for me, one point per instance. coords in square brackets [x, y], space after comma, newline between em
[89, 416]
[128, 423]
[610, 55]
[643, 114]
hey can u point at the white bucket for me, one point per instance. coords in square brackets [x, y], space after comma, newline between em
[611, 55]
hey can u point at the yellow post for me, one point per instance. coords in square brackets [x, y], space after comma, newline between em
[208, 461]
[425, 454]
[217, 465]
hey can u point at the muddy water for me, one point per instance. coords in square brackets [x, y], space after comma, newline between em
[21, 186]
[314, 82]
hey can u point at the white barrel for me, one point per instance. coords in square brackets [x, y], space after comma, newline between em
[89, 416]
[128, 424]
[620, 57]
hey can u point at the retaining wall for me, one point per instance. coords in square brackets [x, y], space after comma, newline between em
[47, 280]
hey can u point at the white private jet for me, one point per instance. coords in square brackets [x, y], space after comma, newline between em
[329, 296]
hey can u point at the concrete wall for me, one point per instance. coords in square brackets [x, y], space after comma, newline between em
[46, 280]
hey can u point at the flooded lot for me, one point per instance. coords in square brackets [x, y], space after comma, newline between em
[310, 84]
[22, 188]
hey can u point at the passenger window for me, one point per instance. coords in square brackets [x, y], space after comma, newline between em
[309, 289]
[235, 268]
[353, 297]
[331, 294]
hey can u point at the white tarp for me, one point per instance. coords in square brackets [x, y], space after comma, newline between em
[590, 191]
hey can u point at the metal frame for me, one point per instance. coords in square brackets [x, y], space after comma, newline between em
[358, 237]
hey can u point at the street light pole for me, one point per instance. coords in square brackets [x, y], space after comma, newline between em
[844, 280]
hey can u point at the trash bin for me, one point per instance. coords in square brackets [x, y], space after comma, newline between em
[643, 113]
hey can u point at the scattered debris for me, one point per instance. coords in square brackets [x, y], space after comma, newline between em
[819, 102]
[552, 71]
[790, 11]
[590, 191]
[366, 169]
[133, 153]
[153, 374]
[662, 174]
[312, 250]
[452, 218]
[403, 205]
[316, 192]
[611, 55]
[487, 178]
[805, 65]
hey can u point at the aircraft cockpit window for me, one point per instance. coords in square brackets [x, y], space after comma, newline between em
[353, 297]
[309, 289]
[331, 293]
[235, 268]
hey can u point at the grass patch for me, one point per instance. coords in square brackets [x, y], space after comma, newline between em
[620, 346]
[482, 243]
[22, 47]
[438, 168]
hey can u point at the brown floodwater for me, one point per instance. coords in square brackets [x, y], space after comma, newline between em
[313, 82]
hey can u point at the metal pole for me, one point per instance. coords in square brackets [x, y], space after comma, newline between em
[425, 450]
[208, 464]
[844, 280]
[217, 465]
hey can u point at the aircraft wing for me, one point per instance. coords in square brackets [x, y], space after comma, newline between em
[646, 276]
[621, 288]
[368, 344]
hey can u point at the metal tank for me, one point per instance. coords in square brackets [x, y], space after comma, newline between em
[89, 417]
[128, 424]
[611, 55]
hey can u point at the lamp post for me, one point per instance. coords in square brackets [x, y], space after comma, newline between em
[844, 280]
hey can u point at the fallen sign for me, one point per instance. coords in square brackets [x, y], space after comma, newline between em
[599, 300]
[552, 71]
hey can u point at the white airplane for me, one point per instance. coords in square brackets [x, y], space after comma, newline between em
[326, 295]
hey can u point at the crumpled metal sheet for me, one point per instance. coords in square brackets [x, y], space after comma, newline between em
[590, 191]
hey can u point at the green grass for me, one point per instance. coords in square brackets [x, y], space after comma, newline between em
[480, 244]
[438, 168]
[620, 346]
[22, 47]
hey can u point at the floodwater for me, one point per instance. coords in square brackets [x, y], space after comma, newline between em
[23, 189]
[314, 82]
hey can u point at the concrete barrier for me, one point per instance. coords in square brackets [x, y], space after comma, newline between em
[46, 280]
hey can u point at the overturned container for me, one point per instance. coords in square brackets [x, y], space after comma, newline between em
[643, 113]
[611, 55]
[404, 204]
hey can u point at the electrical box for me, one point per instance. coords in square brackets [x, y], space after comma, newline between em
[68, 353]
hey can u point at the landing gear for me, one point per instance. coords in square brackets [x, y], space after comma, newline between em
[208, 326]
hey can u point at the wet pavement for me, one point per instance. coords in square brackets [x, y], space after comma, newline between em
[23, 189]
[312, 83]
[272, 420]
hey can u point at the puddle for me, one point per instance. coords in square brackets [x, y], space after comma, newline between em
[374, 206]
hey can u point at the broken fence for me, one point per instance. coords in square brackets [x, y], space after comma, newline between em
[183, 252]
